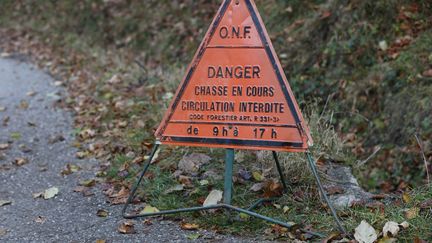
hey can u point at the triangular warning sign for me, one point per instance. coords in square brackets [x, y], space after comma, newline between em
[235, 93]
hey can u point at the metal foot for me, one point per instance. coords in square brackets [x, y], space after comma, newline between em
[324, 194]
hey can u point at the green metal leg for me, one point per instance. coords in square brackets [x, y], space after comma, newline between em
[279, 168]
[324, 194]
[229, 162]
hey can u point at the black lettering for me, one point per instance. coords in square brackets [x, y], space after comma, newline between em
[238, 72]
[211, 72]
[247, 71]
[189, 130]
[247, 31]
[224, 132]
[256, 72]
[223, 32]
[274, 134]
[228, 72]
[236, 32]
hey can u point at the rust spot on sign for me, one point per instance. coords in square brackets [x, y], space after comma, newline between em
[235, 93]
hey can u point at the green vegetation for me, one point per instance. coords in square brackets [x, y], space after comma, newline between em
[369, 64]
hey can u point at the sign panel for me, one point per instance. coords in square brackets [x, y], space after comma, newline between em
[235, 93]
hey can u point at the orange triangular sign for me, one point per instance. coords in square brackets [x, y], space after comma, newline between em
[235, 93]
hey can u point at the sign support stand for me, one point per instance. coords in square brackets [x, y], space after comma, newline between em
[228, 195]
[323, 193]
[229, 163]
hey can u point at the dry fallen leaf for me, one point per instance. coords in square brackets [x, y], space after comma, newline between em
[391, 229]
[88, 183]
[387, 240]
[4, 146]
[38, 195]
[365, 233]
[81, 154]
[24, 105]
[127, 228]
[188, 226]
[102, 213]
[412, 213]
[3, 232]
[406, 197]
[40, 219]
[31, 93]
[69, 169]
[257, 187]
[5, 202]
[404, 224]
[50, 193]
[100, 241]
[257, 176]
[176, 188]
[426, 204]
[213, 198]
[193, 162]
[20, 161]
[149, 209]
[194, 236]
[427, 73]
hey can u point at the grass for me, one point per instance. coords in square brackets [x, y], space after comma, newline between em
[306, 210]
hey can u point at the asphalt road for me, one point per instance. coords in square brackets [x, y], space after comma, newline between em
[28, 123]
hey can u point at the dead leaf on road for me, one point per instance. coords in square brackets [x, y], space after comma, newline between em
[4, 146]
[127, 227]
[88, 183]
[69, 169]
[31, 93]
[50, 193]
[3, 232]
[24, 148]
[194, 236]
[100, 241]
[81, 154]
[365, 233]
[24, 105]
[20, 161]
[5, 202]
[102, 213]
[213, 198]
[40, 219]
[37, 195]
